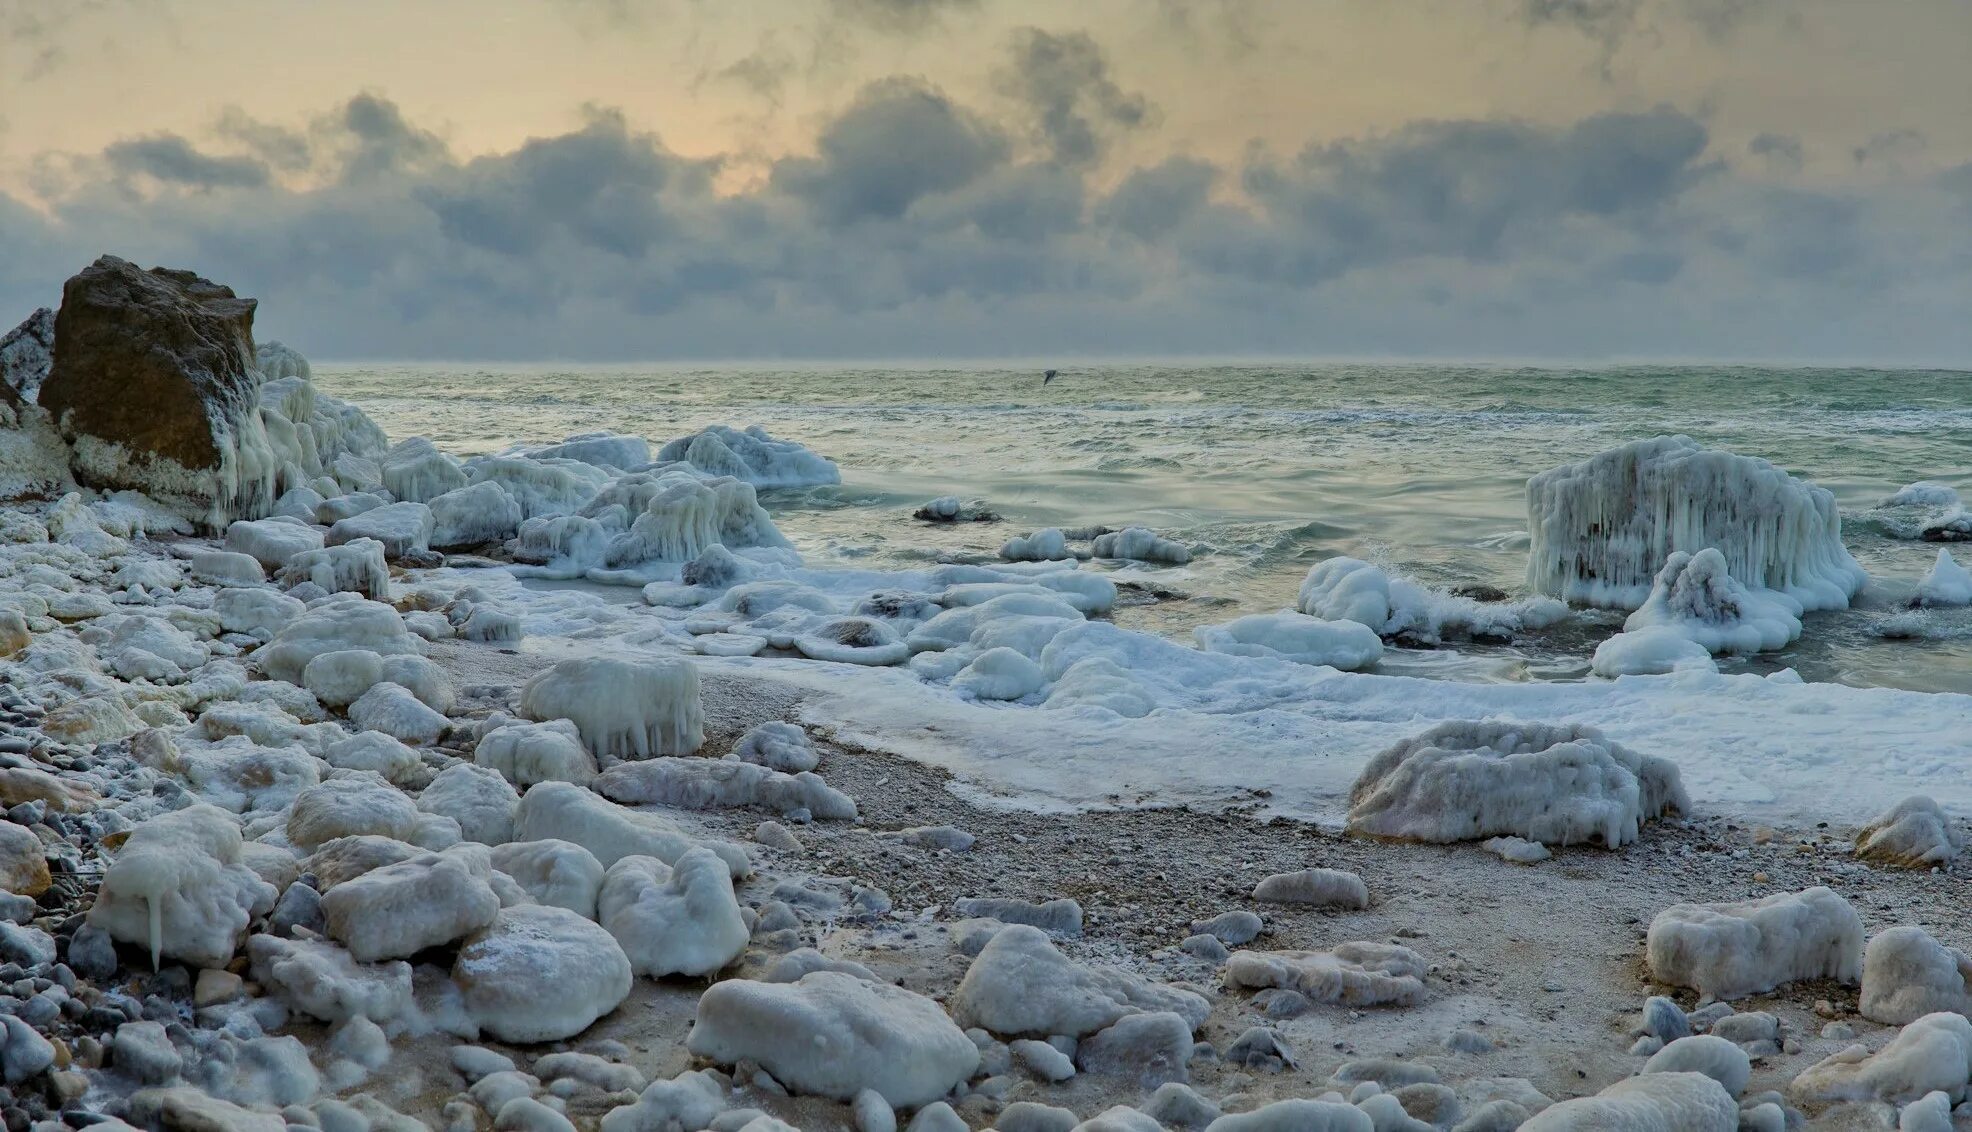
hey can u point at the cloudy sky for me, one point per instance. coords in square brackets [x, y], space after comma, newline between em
[651, 179]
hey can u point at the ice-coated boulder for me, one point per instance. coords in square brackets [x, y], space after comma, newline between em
[348, 805]
[1931, 1054]
[1141, 544]
[538, 973]
[708, 784]
[677, 513]
[341, 622]
[375, 752]
[1328, 887]
[1651, 651]
[468, 516]
[1043, 545]
[321, 980]
[779, 746]
[1297, 1116]
[1348, 645]
[395, 711]
[179, 888]
[398, 910]
[1349, 589]
[1602, 528]
[560, 873]
[677, 919]
[1729, 951]
[623, 708]
[153, 383]
[530, 753]
[1916, 833]
[340, 678]
[477, 798]
[750, 455]
[1694, 597]
[834, 1035]
[1556, 784]
[1020, 985]
[564, 811]
[999, 674]
[415, 470]
[1906, 974]
[1352, 974]
[271, 542]
[1709, 1054]
[1948, 583]
[402, 528]
[1655, 1102]
[356, 566]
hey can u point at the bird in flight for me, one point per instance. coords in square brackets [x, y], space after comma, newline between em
[1048, 376]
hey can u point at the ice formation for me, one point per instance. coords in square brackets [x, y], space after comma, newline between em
[705, 784]
[403, 529]
[398, 910]
[527, 753]
[835, 1035]
[1040, 546]
[1019, 985]
[1656, 1102]
[603, 449]
[415, 471]
[674, 515]
[1948, 583]
[1352, 974]
[1931, 1054]
[503, 968]
[1347, 645]
[1142, 545]
[1916, 833]
[623, 708]
[566, 812]
[1729, 951]
[179, 889]
[1906, 974]
[1349, 589]
[679, 919]
[560, 873]
[1604, 527]
[751, 455]
[779, 746]
[1559, 785]
[468, 516]
[1651, 651]
[272, 542]
[1695, 597]
[999, 674]
[1327, 887]
[1923, 493]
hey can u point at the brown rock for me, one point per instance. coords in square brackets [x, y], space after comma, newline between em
[23, 861]
[21, 784]
[160, 362]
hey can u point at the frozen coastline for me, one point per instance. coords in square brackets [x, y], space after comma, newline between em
[356, 786]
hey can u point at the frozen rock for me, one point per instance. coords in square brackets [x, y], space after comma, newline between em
[261, 613]
[530, 753]
[1020, 985]
[179, 888]
[777, 746]
[1933, 1053]
[623, 708]
[1915, 833]
[1235, 927]
[1177, 1105]
[1148, 1049]
[677, 919]
[1663, 1020]
[1729, 951]
[1143, 545]
[1709, 1054]
[323, 981]
[1650, 651]
[356, 803]
[1349, 589]
[414, 469]
[711, 784]
[1296, 1116]
[340, 678]
[271, 542]
[1906, 974]
[469, 516]
[937, 837]
[1929, 1113]
[1519, 850]
[1695, 597]
[1353, 974]
[835, 1035]
[553, 872]
[334, 624]
[1558, 785]
[540, 973]
[774, 835]
[1347, 645]
[393, 710]
[477, 798]
[999, 674]
[403, 528]
[676, 513]
[1657, 1102]
[1948, 583]
[751, 455]
[375, 752]
[398, 910]
[1042, 1060]
[570, 813]
[1330, 888]
[356, 566]
[1062, 917]
[1039, 546]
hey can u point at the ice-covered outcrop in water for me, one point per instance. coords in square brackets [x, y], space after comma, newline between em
[1347, 645]
[1948, 583]
[1349, 589]
[1651, 651]
[1694, 599]
[1465, 781]
[674, 515]
[751, 456]
[1602, 528]
[1141, 544]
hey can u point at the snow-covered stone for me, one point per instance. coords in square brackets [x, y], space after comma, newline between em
[398, 910]
[560, 873]
[538, 973]
[1297, 1115]
[323, 981]
[677, 919]
[567, 812]
[1729, 951]
[349, 805]
[1916, 833]
[709, 784]
[469, 516]
[477, 798]
[1906, 974]
[395, 711]
[1020, 985]
[623, 708]
[1714, 1056]
[178, 888]
[999, 674]
[528, 753]
[1656, 1102]
[1352, 974]
[1931, 1054]
[1948, 583]
[1651, 651]
[272, 542]
[1695, 597]
[333, 624]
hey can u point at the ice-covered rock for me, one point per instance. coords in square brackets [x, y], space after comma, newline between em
[179, 888]
[1931, 1054]
[1948, 583]
[226, 568]
[528, 753]
[398, 910]
[538, 973]
[677, 919]
[1043, 545]
[1916, 833]
[999, 674]
[834, 1035]
[321, 980]
[1656, 1102]
[560, 873]
[1348, 645]
[1906, 974]
[674, 515]
[1349, 589]
[778, 746]
[1923, 493]
[375, 752]
[1143, 545]
[330, 625]
[1602, 528]
[271, 542]
[1352, 974]
[1650, 651]
[1714, 1056]
[603, 449]
[27, 354]
[338, 679]
[395, 711]
[623, 708]
[1020, 985]
[1327, 887]
[1149, 1048]
[1519, 850]
[852, 640]
[480, 800]
[469, 516]
[710, 784]
[356, 566]
[1695, 597]
[1062, 917]
[567, 812]
[1559, 785]
[415, 470]
[402, 528]
[1729, 951]
[1297, 1115]
[561, 545]
[751, 455]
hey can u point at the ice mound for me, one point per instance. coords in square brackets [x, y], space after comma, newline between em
[999, 674]
[1141, 544]
[779, 746]
[1347, 645]
[404, 529]
[468, 516]
[623, 708]
[415, 471]
[179, 888]
[320, 980]
[1559, 785]
[1695, 597]
[351, 805]
[851, 640]
[1916, 833]
[334, 624]
[1603, 527]
[560, 546]
[603, 449]
[708, 784]
[1931, 1054]
[835, 1035]
[1349, 589]
[1040, 546]
[398, 910]
[1924, 493]
[674, 515]
[1019, 985]
[1353, 974]
[541, 487]
[527, 753]
[1948, 583]
[1729, 951]
[562, 811]
[1656, 1102]
[356, 566]
[560, 873]
[271, 542]
[1906, 974]
[538, 973]
[475, 797]
[751, 456]
[677, 919]
[1651, 651]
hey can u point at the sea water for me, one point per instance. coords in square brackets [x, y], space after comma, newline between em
[1268, 468]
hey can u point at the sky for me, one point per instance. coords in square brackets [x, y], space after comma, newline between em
[621, 180]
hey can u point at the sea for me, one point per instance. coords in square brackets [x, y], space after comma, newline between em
[1266, 469]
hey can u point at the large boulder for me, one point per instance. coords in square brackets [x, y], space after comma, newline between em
[154, 383]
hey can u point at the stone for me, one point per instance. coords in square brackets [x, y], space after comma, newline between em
[23, 861]
[540, 973]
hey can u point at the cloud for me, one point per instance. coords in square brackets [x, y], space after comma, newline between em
[1064, 84]
[900, 140]
[899, 16]
[1782, 152]
[172, 159]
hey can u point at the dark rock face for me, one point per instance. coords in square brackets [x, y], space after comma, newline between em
[26, 354]
[160, 362]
